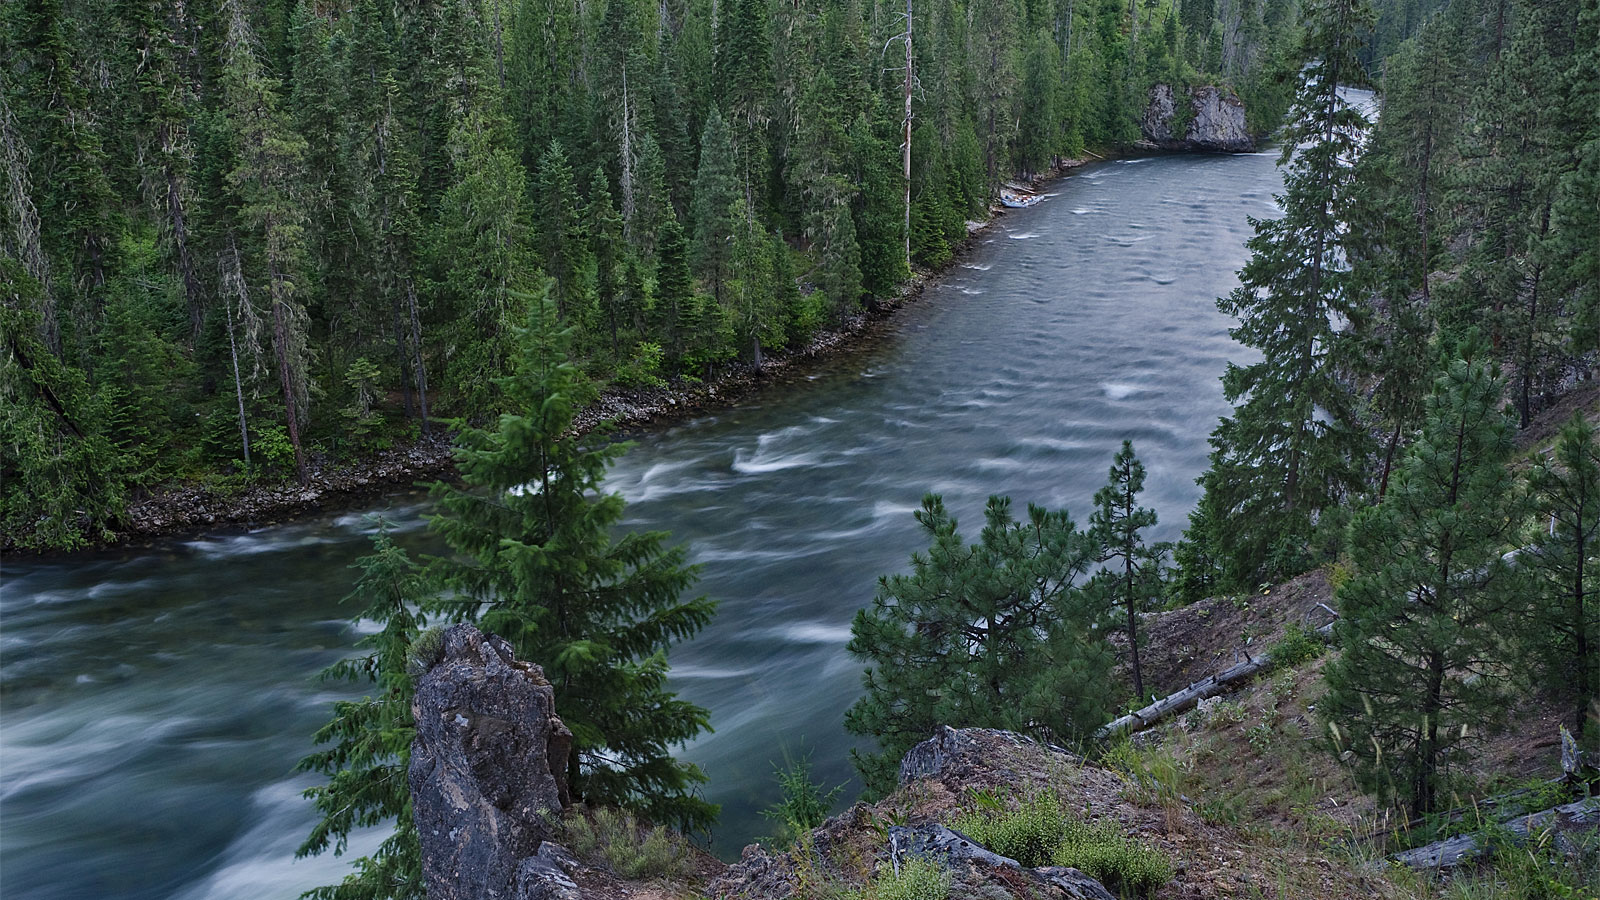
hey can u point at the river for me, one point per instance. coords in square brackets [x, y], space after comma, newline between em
[155, 700]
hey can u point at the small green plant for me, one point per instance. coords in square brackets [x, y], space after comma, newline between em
[1028, 834]
[620, 842]
[425, 652]
[644, 368]
[1037, 833]
[1107, 855]
[918, 879]
[1299, 644]
[1260, 737]
[803, 804]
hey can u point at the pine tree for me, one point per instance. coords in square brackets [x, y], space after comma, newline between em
[603, 228]
[1292, 447]
[1133, 577]
[1566, 621]
[371, 738]
[1422, 615]
[534, 545]
[994, 635]
[674, 300]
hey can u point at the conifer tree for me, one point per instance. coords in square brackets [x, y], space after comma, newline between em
[1133, 577]
[604, 230]
[1566, 622]
[995, 634]
[371, 739]
[1292, 447]
[266, 176]
[674, 297]
[1421, 617]
[715, 189]
[560, 230]
[534, 545]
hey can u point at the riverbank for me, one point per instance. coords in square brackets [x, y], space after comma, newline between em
[190, 509]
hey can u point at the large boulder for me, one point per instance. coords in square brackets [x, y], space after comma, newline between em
[487, 769]
[1216, 120]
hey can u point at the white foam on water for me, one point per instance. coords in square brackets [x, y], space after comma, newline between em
[1023, 236]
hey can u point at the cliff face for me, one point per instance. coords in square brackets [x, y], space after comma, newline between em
[1214, 120]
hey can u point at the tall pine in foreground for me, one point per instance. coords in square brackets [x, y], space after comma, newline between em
[993, 635]
[1422, 617]
[1292, 447]
[1566, 632]
[1132, 577]
[537, 560]
[370, 740]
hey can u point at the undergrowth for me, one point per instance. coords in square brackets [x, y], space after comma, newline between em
[1036, 832]
[632, 850]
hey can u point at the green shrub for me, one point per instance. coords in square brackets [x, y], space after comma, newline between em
[615, 839]
[1299, 644]
[803, 805]
[1108, 856]
[1038, 833]
[918, 879]
[1028, 834]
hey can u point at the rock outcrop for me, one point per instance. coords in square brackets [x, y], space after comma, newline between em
[487, 774]
[1214, 120]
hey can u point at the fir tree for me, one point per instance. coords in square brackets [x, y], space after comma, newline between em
[533, 546]
[1292, 447]
[715, 190]
[994, 635]
[559, 231]
[1421, 616]
[1133, 577]
[1566, 622]
[371, 738]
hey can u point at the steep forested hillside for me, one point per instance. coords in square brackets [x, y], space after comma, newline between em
[247, 237]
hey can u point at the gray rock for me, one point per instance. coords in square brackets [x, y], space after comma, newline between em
[1158, 115]
[1219, 122]
[1073, 883]
[545, 875]
[487, 768]
[955, 850]
[1216, 120]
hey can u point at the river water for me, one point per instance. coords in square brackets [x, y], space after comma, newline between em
[155, 700]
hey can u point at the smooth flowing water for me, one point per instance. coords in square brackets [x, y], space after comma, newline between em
[155, 701]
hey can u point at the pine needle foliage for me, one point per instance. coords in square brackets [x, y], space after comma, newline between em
[536, 560]
[1565, 637]
[370, 739]
[995, 634]
[1292, 447]
[1420, 675]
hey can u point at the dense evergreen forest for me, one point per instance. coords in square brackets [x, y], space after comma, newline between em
[248, 238]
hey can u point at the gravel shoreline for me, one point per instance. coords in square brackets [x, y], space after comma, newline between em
[191, 509]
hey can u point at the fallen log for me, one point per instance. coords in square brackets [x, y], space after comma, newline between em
[1186, 699]
[1454, 851]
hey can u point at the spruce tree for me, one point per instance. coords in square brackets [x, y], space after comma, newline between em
[535, 549]
[1292, 447]
[1133, 577]
[559, 229]
[371, 739]
[1565, 636]
[995, 634]
[1422, 616]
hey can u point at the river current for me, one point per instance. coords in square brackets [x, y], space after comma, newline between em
[156, 700]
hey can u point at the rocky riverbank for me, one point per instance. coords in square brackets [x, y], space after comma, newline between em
[192, 508]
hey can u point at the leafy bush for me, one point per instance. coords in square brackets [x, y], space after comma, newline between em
[1299, 644]
[615, 839]
[644, 369]
[1108, 856]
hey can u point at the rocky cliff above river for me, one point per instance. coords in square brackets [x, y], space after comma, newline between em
[488, 799]
[1213, 120]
